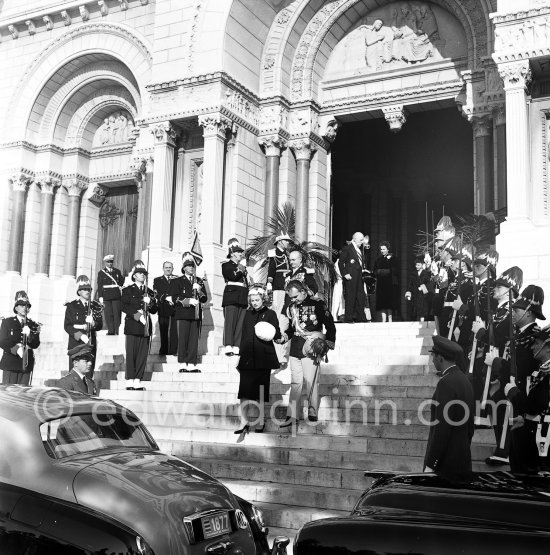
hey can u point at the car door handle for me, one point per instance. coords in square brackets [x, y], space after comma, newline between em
[219, 548]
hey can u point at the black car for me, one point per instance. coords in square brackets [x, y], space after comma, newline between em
[494, 513]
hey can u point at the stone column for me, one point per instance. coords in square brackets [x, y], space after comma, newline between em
[303, 150]
[273, 147]
[483, 136]
[516, 77]
[74, 191]
[47, 187]
[500, 123]
[19, 185]
[163, 184]
[143, 168]
[215, 127]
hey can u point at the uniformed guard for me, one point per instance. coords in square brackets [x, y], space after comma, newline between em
[19, 336]
[190, 295]
[80, 379]
[138, 301]
[83, 317]
[441, 273]
[109, 286]
[165, 293]
[235, 297]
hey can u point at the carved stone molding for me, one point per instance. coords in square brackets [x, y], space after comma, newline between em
[84, 13]
[164, 133]
[396, 116]
[141, 166]
[13, 31]
[48, 184]
[74, 187]
[239, 104]
[499, 114]
[66, 18]
[273, 145]
[273, 117]
[98, 195]
[108, 214]
[303, 148]
[103, 7]
[214, 124]
[123, 4]
[31, 27]
[48, 22]
[483, 126]
[331, 130]
[515, 75]
[19, 182]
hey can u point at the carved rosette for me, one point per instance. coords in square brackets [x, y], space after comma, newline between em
[273, 145]
[483, 125]
[108, 214]
[74, 187]
[303, 148]
[19, 182]
[164, 133]
[396, 116]
[516, 75]
[214, 125]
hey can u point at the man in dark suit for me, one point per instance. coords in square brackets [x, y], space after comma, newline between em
[79, 378]
[109, 286]
[165, 294]
[352, 265]
[452, 415]
[19, 335]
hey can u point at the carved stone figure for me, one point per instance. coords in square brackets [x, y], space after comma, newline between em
[117, 128]
[378, 40]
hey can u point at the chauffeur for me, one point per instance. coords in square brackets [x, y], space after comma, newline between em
[138, 301]
[19, 335]
[452, 415]
[109, 286]
[80, 377]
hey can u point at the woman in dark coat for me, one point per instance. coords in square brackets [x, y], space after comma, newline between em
[386, 270]
[257, 356]
[418, 291]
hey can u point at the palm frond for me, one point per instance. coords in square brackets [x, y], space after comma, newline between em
[283, 220]
[477, 230]
[425, 243]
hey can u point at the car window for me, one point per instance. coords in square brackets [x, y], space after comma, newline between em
[84, 433]
[22, 543]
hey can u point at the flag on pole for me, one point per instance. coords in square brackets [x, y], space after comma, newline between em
[196, 250]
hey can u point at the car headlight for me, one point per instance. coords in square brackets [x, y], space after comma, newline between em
[142, 547]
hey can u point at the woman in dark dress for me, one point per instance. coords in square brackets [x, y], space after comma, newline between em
[386, 270]
[418, 291]
[257, 357]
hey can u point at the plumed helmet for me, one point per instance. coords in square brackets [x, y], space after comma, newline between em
[265, 331]
[458, 250]
[83, 282]
[531, 298]
[444, 223]
[21, 298]
[283, 236]
[512, 278]
[138, 267]
[187, 259]
[486, 257]
[233, 245]
[315, 347]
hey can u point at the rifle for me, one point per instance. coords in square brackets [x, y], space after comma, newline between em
[459, 284]
[24, 340]
[491, 334]
[145, 294]
[476, 314]
[89, 328]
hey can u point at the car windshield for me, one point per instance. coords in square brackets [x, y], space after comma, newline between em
[86, 433]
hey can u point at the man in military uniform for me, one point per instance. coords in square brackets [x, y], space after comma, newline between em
[452, 415]
[19, 336]
[83, 317]
[298, 272]
[80, 377]
[138, 301]
[165, 295]
[352, 265]
[109, 285]
[306, 316]
[190, 295]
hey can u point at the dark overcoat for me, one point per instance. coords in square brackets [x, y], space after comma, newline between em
[185, 292]
[386, 271]
[75, 313]
[448, 450]
[257, 354]
[234, 295]
[165, 288]
[132, 303]
[11, 335]
[109, 284]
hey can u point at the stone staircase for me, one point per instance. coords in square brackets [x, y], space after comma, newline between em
[371, 416]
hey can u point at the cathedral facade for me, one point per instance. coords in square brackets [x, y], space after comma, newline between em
[129, 125]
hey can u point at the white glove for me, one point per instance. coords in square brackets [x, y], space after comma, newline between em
[242, 262]
[193, 302]
[142, 320]
[84, 338]
[146, 299]
[428, 469]
[408, 295]
[477, 325]
[169, 299]
[101, 300]
[26, 330]
[348, 276]
[269, 286]
[457, 304]
[90, 319]
[20, 352]
[196, 287]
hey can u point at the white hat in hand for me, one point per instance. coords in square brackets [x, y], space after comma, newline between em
[265, 331]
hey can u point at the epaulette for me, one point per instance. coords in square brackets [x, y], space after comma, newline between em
[310, 270]
[271, 253]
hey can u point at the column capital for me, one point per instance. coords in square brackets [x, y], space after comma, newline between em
[215, 125]
[19, 181]
[516, 75]
[499, 114]
[74, 187]
[272, 144]
[303, 148]
[483, 125]
[48, 184]
[396, 116]
[164, 133]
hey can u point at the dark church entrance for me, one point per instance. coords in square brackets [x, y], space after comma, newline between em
[392, 186]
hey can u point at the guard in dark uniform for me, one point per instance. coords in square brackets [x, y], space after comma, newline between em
[166, 298]
[298, 272]
[138, 302]
[83, 317]
[79, 379]
[190, 295]
[235, 297]
[109, 286]
[19, 336]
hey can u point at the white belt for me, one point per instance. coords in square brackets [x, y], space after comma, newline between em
[110, 286]
[239, 283]
[536, 418]
[448, 304]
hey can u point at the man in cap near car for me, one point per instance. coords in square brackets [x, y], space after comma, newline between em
[452, 415]
[109, 286]
[80, 377]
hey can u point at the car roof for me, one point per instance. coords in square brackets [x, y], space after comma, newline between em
[49, 403]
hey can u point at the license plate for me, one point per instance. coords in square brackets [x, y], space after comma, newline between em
[215, 525]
